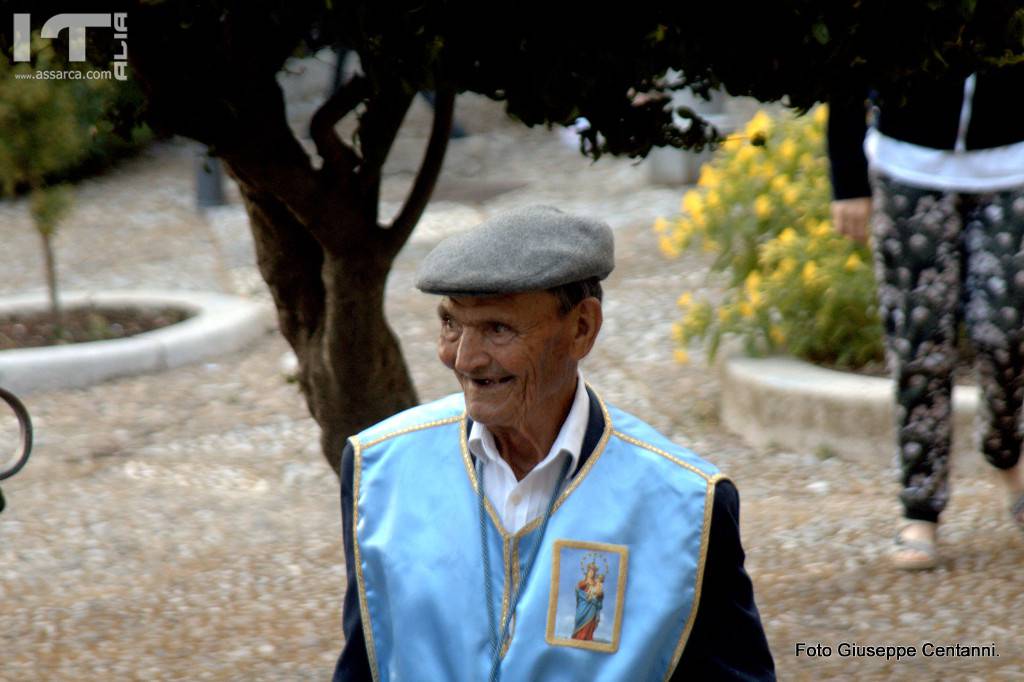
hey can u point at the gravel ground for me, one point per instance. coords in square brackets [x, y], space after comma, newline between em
[183, 526]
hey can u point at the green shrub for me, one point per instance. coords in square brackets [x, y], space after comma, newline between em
[762, 207]
[97, 123]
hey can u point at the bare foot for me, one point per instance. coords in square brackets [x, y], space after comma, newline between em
[915, 546]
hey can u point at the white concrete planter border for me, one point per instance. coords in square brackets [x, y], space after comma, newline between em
[221, 324]
[783, 402]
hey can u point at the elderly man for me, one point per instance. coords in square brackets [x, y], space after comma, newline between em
[524, 528]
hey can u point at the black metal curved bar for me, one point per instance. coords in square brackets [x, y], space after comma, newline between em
[25, 424]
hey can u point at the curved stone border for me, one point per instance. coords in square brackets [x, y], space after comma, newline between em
[783, 402]
[220, 324]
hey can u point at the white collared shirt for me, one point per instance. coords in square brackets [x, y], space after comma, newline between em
[520, 502]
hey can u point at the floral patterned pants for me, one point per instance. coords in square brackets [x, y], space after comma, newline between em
[942, 258]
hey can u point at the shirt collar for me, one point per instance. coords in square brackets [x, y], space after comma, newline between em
[570, 436]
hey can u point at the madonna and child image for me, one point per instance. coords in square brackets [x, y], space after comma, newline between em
[588, 582]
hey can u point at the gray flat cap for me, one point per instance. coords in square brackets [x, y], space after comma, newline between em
[525, 249]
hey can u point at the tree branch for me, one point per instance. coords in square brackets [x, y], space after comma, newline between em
[378, 128]
[336, 154]
[277, 164]
[430, 170]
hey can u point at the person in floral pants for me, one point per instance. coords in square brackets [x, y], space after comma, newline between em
[941, 257]
[947, 228]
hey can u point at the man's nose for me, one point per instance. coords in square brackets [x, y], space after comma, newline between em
[470, 356]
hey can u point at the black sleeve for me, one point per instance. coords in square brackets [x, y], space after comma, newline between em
[727, 641]
[353, 664]
[847, 124]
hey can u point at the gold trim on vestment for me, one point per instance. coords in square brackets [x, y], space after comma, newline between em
[357, 449]
[364, 610]
[415, 427]
[467, 460]
[620, 595]
[506, 586]
[709, 503]
[514, 577]
[517, 574]
[671, 458]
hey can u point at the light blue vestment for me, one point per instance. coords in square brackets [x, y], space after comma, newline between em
[419, 559]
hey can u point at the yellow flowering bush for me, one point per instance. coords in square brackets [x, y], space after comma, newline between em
[762, 207]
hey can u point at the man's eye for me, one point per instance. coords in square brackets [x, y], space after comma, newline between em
[500, 329]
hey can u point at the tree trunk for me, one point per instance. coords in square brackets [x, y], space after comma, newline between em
[356, 366]
[331, 311]
[50, 260]
[314, 219]
[326, 259]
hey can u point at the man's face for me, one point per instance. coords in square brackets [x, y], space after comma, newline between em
[513, 355]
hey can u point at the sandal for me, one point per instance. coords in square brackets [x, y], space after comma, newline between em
[914, 555]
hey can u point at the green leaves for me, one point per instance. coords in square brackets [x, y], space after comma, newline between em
[820, 32]
[39, 127]
[48, 205]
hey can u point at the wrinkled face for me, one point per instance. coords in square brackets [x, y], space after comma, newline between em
[513, 355]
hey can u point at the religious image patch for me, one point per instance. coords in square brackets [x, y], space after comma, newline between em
[588, 586]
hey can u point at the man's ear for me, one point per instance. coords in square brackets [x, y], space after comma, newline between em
[586, 325]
